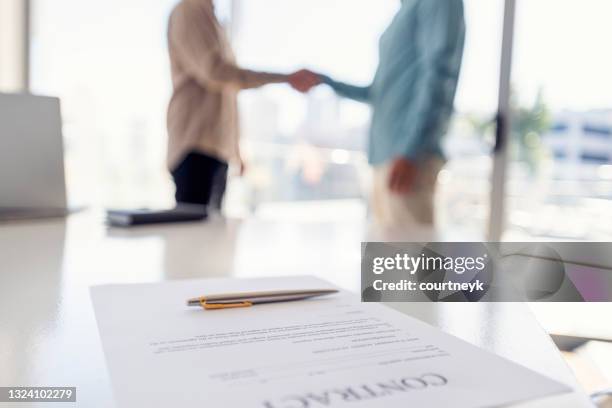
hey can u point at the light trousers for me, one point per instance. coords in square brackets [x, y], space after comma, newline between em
[413, 209]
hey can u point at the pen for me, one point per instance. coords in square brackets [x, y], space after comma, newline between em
[234, 300]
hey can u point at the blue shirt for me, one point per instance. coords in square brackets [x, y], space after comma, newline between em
[413, 92]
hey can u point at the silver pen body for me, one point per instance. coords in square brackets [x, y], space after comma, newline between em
[260, 297]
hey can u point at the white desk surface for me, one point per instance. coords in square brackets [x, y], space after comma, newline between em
[49, 337]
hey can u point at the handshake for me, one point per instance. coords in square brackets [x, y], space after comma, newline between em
[304, 80]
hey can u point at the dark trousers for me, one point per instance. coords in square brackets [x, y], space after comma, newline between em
[200, 179]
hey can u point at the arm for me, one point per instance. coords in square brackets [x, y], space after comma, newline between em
[358, 93]
[440, 40]
[194, 36]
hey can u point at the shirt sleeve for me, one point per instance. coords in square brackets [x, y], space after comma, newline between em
[440, 39]
[193, 34]
[357, 93]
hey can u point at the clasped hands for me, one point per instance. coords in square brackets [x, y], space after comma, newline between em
[402, 172]
[304, 80]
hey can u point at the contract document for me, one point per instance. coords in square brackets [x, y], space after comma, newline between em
[330, 351]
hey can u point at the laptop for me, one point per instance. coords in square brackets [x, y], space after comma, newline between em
[32, 180]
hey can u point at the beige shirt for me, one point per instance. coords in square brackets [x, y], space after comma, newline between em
[203, 113]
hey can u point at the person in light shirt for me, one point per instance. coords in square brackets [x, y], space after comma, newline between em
[203, 134]
[412, 99]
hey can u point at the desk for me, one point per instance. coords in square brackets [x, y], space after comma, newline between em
[48, 333]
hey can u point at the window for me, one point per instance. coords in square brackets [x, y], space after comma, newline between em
[313, 149]
[107, 62]
[560, 79]
[306, 149]
[113, 79]
[114, 82]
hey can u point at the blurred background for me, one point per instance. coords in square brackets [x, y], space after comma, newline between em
[309, 152]
[108, 63]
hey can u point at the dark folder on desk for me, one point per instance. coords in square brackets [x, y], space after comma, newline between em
[181, 213]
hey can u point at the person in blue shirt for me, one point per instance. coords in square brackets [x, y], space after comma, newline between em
[412, 99]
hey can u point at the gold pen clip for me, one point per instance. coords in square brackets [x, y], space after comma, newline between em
[216, 306]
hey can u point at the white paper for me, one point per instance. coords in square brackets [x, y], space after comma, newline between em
[326, 352]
